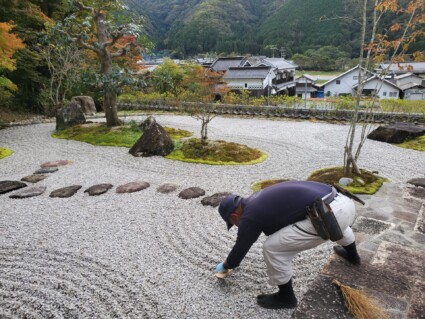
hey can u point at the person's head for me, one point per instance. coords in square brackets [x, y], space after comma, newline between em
[230, 210]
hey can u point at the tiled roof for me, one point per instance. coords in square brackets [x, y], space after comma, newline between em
[279, 63]
[414, 67]
[223, 64]
[247, 72]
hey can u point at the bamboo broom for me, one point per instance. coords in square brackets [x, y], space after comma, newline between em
[359, 304]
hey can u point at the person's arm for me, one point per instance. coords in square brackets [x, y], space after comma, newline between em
[248, 233]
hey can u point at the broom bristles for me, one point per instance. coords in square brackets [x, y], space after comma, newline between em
[359, 304]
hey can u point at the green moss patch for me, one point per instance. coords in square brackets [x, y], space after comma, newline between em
[365, 183]
[417, 144]
[101, 135]
[216, 153]
[266, 183]
[5, 152]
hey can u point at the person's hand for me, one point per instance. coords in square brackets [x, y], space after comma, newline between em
[220, 268]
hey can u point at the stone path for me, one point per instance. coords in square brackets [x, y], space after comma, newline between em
[391, 237]
[95, 190]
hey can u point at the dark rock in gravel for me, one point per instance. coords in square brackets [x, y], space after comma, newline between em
[29, 192]
[8, 186]
[420, 182]
[35, 178]
[132, 187]
[46, 170]
[191, 192]
[55, 163]
[166, 188]
[397, 133]
[214, 200]
[98, 189]
[154, 141]
[65, 191]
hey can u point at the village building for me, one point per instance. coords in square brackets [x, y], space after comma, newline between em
[306, 87]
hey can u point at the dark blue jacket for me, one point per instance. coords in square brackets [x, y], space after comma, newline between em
[271, 209]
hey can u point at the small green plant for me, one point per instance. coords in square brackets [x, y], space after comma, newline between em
[5, 152]
[403, 106]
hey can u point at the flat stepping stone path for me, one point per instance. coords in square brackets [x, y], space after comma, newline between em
[132, 187]
[55, 163]
[191, 192]
[29, 192]
[166, 188]
[46, 170]
[8, 186]
[214, 200]
[35, 178]
[98, 189]
[65, 192]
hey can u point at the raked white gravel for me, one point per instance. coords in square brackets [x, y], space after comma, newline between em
[147, 254]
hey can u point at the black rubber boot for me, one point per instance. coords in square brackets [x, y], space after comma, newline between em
[284, 298]
[348, 253]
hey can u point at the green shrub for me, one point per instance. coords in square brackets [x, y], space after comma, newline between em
[403, 106]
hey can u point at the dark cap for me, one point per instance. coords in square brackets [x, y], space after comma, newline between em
[227, 206]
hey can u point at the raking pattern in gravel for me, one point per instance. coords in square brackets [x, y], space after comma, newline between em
[50, 284]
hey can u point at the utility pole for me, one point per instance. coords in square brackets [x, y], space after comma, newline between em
[282, 52]
[305, 92]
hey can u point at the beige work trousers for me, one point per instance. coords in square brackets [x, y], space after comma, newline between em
[281, 247]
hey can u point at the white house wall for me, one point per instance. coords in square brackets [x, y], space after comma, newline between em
[249, 84]
[385, 90]
[347, 81]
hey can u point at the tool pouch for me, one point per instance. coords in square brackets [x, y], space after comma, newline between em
[324, 221]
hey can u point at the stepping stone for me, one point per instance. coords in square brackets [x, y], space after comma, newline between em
[98, 189]
[65, 191]
[46, 170]
[55, 163]
[214, 200]
[191, 192]
[8, 186]
[166, 188]
[29, 192]
[35, 178]
[132, 187]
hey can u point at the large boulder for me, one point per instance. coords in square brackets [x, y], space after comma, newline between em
[154, 140]
[87, 104]
[397, 133]
[69, 115]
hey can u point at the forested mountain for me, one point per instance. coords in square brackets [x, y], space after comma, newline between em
[188, 27]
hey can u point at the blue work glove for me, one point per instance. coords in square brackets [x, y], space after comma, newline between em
[220, 268]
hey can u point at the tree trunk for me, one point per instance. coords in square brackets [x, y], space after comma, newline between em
[110, 107]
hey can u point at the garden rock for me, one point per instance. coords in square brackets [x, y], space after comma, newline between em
[154, 140]
[87, 104]
[345, 181]
[46, 170]
[420, 182]
[8, 186]
[166, 188]
[65, 192]
[214, 200]
[35, 178]
[29, 192]
[397, 133]
[69, 115]
[98, 189]
[191, 192]
[55, 163]
[132, 187]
